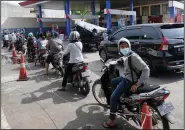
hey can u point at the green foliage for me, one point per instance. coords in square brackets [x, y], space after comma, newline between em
[80, 12]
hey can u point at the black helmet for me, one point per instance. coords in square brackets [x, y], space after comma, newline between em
[41, 35]
[56, 34]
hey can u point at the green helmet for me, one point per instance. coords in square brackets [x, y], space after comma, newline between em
[30, 34]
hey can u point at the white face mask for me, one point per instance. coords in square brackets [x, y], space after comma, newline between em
[125, 51]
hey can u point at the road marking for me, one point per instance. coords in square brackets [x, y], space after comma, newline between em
[4, 122]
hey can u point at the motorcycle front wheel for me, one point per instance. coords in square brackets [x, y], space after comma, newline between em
[98, 93]
[85, 88]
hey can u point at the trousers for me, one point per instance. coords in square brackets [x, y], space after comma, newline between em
[121, 87]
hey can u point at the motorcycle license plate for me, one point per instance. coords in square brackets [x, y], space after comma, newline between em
[165, 108]
[85, 74]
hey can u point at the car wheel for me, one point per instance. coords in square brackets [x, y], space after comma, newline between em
[103, 55]
[153, 71]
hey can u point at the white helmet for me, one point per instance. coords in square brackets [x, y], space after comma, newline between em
[74, 36]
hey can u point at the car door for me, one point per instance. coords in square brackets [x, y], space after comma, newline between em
[113, 44]
[133, 35]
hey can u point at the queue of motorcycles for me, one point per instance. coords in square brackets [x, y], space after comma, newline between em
[129, 107]
[80, 74]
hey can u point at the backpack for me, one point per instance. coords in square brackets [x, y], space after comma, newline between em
[133, 70]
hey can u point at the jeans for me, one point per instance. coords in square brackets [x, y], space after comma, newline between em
[122, 87]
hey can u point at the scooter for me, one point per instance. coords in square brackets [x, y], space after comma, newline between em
[33, 52]
[22, 48]
[41, 56]
[79, 77]
[58, 64]
[130, 106]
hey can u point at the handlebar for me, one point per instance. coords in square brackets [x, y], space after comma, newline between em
[104, 68]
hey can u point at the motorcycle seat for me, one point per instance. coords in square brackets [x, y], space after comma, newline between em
[147, 88]
[77, 66]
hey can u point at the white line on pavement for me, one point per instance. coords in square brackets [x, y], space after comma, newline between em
[4, 122]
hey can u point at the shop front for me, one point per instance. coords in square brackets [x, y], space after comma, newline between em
[176, 11]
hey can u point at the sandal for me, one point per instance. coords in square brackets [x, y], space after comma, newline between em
[106, 125]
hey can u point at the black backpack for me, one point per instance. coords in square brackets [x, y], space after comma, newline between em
[132, 69]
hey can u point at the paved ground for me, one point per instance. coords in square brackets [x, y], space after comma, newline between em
[35, 104]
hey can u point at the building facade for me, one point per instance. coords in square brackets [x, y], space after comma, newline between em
[158, 12]
[16, 18]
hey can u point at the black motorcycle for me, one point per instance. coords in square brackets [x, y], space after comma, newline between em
[79, 78]
[41, 56]
[32, 51]
[130, 106]
[58, 64]
[21, 48]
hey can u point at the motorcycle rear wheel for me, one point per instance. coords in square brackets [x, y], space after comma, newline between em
[85, 89]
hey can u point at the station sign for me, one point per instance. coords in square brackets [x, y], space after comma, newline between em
[119, 12]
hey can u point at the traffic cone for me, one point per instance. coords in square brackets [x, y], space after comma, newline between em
[14, 55]
[22, 73]
[146, 118]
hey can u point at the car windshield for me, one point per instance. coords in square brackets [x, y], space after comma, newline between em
[173, 31]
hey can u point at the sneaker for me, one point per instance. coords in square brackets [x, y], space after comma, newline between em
[61, 89]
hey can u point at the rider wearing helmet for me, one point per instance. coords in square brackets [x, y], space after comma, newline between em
[30, 42]
[53, 49]
[130, 82]
[74, 49]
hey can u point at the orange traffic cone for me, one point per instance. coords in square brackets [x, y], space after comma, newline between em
[14, 55]
[22, 74]
[146, 118]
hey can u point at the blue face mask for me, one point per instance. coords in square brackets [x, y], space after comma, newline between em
[125, 51]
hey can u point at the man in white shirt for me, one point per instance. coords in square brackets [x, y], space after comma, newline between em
[13, 40]
[6, 39]
[74, 48]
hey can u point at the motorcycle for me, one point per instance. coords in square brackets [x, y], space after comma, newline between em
[41, 56]
[79, 78]
[32, 52]
[22, 48]
[58, 64]
[130, 106]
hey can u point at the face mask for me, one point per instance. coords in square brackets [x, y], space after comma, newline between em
[124, 51]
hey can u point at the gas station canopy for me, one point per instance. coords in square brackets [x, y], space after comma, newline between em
[59, 5]
[56, 5]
